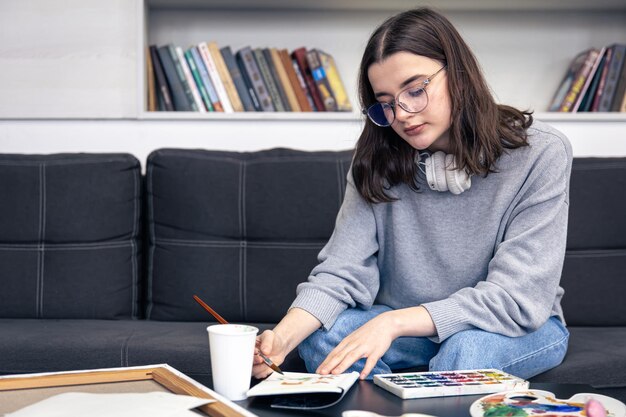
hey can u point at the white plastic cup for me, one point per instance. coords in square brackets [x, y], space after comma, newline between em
[232, 350]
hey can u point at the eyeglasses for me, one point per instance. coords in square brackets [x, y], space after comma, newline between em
[413, 99]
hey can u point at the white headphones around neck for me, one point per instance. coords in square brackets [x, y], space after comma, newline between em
[441, 173]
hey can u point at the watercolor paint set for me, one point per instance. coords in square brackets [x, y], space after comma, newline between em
[440, 384]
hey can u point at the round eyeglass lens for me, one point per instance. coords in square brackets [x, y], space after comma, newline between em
[381, 114]
[413, 100]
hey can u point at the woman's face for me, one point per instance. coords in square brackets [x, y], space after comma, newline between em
[428, 129]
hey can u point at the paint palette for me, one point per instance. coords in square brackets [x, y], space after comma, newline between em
[542, 403]
[441, 384]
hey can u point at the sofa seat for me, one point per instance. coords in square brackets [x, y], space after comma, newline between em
[596, 356]
[51, 345]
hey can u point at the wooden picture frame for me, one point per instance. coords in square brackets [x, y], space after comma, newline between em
[164, 375]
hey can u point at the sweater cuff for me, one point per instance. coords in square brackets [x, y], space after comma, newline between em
[322, 306]
[447, 317]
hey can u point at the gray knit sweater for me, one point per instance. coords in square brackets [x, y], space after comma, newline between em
[489, 258]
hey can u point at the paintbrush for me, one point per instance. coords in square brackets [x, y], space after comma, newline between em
[221, 319]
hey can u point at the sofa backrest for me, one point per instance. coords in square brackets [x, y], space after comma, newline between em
[69, 227]
[240, 230]
[594, 274]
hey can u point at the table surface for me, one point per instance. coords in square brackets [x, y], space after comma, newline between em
[364, 395]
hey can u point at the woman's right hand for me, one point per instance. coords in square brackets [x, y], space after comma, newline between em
[272, 346]
[296, 326]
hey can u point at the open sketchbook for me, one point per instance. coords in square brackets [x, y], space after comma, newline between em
[304, 391]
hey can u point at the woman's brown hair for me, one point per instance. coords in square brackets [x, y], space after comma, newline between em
[480, 129]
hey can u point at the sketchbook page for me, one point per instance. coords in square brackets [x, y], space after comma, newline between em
[300, 383]
[80, 404]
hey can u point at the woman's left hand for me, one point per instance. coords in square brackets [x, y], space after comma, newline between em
[369, 341]
[374, 338]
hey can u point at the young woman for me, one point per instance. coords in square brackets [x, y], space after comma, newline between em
[449, 245]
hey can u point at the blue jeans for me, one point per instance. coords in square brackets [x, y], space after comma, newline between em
[523, 356]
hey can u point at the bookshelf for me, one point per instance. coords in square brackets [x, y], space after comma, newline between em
[544, 35]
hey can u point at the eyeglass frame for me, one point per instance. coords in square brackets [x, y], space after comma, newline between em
[395, 101]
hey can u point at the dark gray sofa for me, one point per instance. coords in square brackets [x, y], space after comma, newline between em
[99, 263]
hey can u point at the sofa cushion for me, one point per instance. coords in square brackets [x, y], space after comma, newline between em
[594, 273]
[595, 356]
[240, 230]
[69, 227]
[597, 204]
[32, 345]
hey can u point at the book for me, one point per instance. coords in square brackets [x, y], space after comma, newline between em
[214, 75]
[587, 99]
[583, 63]
[297, 390]
[163, 89]
[620, 89]
[588, 80]
[612, 76]
[336, 85]
[279, 85]
[248, 97]
[284, 80]
[299, 55]
[151, 99]
[198, 79]
[303, 86]
[600, 89]
[298, 88]
[567, 82]
[268, 79]
[227, 80]
[195, 93]
[206, 80]
[252, 77]
[321, 81]
[190, 81]
[180, 99]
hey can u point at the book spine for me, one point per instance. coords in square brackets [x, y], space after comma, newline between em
[206, 80]
[293, 80]
[215, 77]
[284, 80]
[620, 89]
[151, 98]
[598, 94]
[181, 75]
[300, 56]
[321, 81]
[251, 72]
[588, 80]
[610, 85]
[240, 84]
[579, 82]
[622, 108]
[163, 90]
[198, 80]
[274, 74]
[179, 97]
[269, 81]
[227, 80]
[336, 85]
[309, 99]
[189, 77]
[587, 101]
